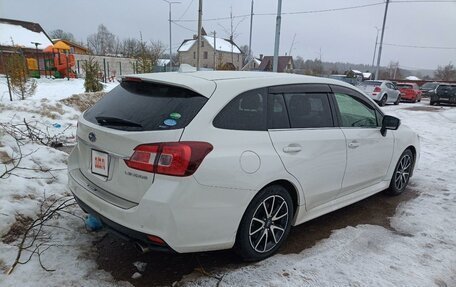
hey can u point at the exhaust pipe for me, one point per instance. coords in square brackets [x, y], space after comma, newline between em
[142, 247]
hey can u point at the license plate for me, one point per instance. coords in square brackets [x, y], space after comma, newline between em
[100, 163]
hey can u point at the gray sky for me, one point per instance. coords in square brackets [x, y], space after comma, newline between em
[345, 36]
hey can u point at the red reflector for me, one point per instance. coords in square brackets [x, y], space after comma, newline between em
[377, 90]
[174, 158]
[156, 240]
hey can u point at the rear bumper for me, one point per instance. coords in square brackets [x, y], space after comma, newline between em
[122, 231]
[188, 216]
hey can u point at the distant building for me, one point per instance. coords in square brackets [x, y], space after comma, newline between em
[28, 38]
[253, 64]
[216, 53]
[74, 48]
[285, 64]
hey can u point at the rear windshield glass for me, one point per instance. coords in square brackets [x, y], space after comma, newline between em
[371, 83]
[404, 86]
[140, 106]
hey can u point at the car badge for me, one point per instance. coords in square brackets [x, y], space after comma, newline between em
[92, 137]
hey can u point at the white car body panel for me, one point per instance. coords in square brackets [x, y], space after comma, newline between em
[202, 212]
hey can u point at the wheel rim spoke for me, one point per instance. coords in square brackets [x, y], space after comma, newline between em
[268, 223]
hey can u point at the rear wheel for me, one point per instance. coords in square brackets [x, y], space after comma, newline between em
[383, 100]
[402, 172]
[265, 224]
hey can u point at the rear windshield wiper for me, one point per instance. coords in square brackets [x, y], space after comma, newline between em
[112, 121]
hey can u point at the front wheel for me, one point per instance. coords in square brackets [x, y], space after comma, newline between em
[265, 224]
[398, 100]
[402, 172]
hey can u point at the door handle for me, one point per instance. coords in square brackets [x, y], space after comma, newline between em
[292, 148]
[353, 144]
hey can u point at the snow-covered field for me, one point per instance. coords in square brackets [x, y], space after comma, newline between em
[420, 251]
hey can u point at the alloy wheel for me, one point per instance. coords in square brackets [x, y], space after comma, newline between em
[403, 172]
[268, 223]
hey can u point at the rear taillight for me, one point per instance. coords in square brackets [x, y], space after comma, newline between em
[377, 90]
[173, 158]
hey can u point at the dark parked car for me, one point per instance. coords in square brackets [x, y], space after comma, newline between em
[445, 93]
[428, 88]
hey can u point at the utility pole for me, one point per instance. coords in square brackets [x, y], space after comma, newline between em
[375, 49]
[170, 41]
[215, 50]
[250, 36]
[200, 24]
[277, 37]
[381, 41]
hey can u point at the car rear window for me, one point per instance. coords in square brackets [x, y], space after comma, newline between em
[142, 106]
[404, 86]
[371, 83]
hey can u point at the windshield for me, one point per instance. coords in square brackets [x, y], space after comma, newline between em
[429, 86]
[134, 106]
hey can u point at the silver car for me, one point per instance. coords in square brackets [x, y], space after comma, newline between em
[383, 92]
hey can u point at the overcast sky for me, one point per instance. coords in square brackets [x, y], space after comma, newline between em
[345, 36]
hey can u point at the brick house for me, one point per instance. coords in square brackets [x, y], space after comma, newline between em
[226, 55]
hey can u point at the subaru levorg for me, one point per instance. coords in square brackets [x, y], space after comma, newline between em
[200, 161]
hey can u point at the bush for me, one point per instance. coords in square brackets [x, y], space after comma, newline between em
[20, 82]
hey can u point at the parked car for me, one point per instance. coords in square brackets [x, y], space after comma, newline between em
[409, 92]
[444, 93]
[383, 92]
[201, 161]
[428, 88]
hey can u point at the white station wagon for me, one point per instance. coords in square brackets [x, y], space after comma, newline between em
[200, 161]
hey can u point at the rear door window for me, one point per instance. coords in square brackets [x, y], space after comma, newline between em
[142, 106]
[309, 110]
[245, 112]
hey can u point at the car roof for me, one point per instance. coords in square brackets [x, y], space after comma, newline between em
[205, 82]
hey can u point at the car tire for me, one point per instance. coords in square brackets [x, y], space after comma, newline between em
[401, 174]
[383, 100]
[431, 103]
[398, 100]
[259, 234]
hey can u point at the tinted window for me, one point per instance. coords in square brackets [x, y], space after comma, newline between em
[245, 112]
[278, 116]
[371, 83]
[430, 86]
[134, 106]
[355, 113]
[402, 86]
[309, 110]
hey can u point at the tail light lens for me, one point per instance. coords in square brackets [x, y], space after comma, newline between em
[173, 158]
[377, 90]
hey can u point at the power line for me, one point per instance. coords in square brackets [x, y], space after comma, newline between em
[322, 10]
[420, 47]
[186, 10]
[182, 26]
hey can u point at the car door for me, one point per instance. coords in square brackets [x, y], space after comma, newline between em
[393, 92]
[304, 134]
[369, 153]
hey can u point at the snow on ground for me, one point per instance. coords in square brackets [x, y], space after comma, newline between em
[420, 251]
[21, 194]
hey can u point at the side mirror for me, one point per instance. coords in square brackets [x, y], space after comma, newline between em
[389, 123]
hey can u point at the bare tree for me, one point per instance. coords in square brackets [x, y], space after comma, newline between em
[102, 42]
[446, 73]
[62, 35]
